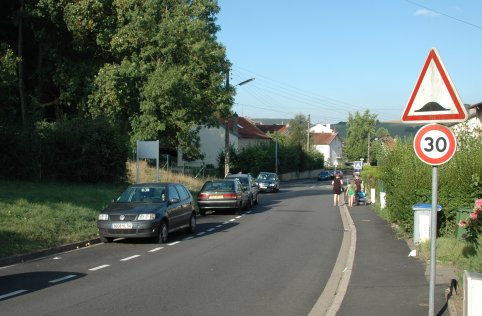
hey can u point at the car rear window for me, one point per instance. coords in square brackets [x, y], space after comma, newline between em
[219, 186]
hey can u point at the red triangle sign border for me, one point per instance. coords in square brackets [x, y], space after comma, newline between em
[461, 114]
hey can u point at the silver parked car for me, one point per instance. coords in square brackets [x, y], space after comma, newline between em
[249, 183]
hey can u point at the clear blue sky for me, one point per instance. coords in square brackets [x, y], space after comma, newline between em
[331, 58]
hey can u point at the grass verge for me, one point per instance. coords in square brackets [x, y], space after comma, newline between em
[35, 216]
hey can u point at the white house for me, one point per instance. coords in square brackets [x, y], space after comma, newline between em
[474, 120]
[242, 134]
[326, 141]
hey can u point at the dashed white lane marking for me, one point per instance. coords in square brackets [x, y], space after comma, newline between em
[226, 223]
[156, 249]
[239, 216]
[188, 238]
[129, 258]
[200, 234]
[12, 294]
[232, 219]
[249, 212]
[70, 276]
[218, 226]
[99, 267]
[210, 229]
[173, 243]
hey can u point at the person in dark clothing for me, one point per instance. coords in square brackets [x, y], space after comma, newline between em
[337, 184]
[359, 187]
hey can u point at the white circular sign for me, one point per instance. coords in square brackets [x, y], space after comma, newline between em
[434, 144]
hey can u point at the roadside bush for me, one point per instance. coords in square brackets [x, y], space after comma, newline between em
[83, 151]
[408, 181]
[75, 150]
[261, 157]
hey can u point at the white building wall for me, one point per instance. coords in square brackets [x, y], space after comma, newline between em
[331, 152]
[212, 143]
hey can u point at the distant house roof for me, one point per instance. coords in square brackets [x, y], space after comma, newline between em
[270, 128]
[246, 129]
[323, 138]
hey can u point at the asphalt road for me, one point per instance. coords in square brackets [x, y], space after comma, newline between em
[274, 259]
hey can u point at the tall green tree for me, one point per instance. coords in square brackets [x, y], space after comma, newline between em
[298, 129]
[360, 130]
[166, 77]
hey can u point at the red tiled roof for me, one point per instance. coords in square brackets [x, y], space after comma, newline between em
[246, 129]
[323, 138]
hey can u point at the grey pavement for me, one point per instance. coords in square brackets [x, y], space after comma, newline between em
[384, 279]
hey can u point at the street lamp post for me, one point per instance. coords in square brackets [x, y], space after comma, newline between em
[226, 131]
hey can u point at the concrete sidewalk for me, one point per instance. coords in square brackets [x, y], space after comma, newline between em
[384, 279]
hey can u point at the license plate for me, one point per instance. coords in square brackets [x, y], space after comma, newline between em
[215, 197]
[121, 225]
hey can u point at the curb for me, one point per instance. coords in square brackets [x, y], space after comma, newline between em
[450, 301]
[46, 252]
[335, 289]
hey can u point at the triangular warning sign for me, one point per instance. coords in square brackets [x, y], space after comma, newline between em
[434, 98]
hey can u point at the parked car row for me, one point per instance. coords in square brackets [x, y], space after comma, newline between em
[154, 210]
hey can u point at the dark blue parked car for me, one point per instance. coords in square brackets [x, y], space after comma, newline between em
[325, 175]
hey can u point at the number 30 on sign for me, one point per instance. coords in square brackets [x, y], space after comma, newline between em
[434, 144]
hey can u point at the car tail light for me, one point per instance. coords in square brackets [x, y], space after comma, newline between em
[203, 196]
[230, 196]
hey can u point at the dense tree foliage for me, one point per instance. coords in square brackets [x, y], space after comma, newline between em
[360, 130]
[298, 129]
[261, 157]
[154, 69]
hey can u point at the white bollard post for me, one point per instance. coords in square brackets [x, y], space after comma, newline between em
[382, 200]
[373, 197]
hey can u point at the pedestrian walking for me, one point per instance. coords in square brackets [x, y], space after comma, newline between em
[350, 192]
[359, 187]
[337, 184]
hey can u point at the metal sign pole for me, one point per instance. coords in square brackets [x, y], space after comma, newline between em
[433, 239]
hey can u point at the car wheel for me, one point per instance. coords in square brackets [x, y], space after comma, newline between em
[163, 233]
[192, 224]
[106, 239]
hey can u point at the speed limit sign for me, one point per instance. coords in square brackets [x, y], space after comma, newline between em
[434, 144]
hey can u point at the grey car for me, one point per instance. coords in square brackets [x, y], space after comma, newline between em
[148, 210]
[248, 182]
[267, 182]
[225, 194]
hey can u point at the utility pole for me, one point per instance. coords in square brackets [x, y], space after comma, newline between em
[308, 135]
[368, 153]
[226, 135]
[276, 154]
